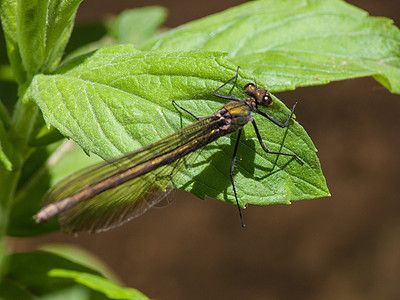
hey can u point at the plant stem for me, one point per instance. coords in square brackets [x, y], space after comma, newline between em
[21, 129]
[9, 182]
[20, 132]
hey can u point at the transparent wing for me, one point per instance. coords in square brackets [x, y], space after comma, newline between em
[121, 204]
[130, 199]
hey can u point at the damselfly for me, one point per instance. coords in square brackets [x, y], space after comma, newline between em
[111, 193]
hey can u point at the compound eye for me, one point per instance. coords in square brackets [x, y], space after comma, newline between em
[267, 100]
[249, 86]
[250, 89]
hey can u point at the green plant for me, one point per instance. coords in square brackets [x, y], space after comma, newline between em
[120, 88]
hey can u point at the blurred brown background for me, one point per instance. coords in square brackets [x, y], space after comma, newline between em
[343, 247]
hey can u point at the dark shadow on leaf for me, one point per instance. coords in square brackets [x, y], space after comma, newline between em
[209, 183]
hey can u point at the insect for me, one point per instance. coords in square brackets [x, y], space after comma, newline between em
[111, 193]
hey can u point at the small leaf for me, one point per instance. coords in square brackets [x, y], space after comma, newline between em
[134, 26]
[8, 12]
[82, 257]
[118, 99]
[138, 25]
[100, 284]
[77, 292]
[12, 290]
[30, 270]
[294, 43]
[36, 33]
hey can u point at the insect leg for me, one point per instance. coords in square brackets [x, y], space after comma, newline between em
[232, 179]
[185, 110]
[266, 149]
[282, 125]
[216, 94]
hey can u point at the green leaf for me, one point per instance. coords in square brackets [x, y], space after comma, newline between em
[75, 292]
[12, 290]
[100, 284]
[137, 25]
[118, 99]
[8, 13]
[294, 43]
[84, 36]
[82, 257]
[30, 270]
[36, 33]
[134, 26]
[45, 136]
[8, 86]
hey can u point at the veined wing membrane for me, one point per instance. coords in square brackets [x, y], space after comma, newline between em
[118, 205]
[154, 168]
